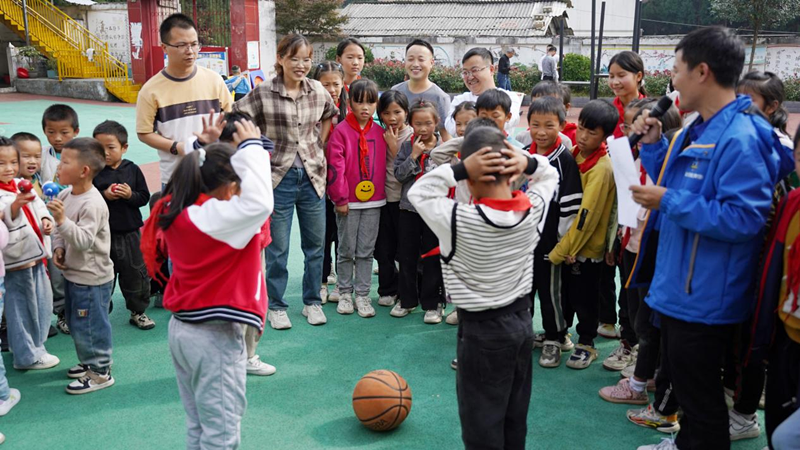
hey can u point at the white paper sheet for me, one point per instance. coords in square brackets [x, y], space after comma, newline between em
[625, 175]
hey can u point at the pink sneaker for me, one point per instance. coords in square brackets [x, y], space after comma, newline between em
[622, 393]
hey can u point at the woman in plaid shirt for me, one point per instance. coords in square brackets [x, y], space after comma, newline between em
[295, 113]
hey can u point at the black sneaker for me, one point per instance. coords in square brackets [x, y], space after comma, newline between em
[90, 382]
[52, 332]
[78, 371]
[454, 364]
[62, 324]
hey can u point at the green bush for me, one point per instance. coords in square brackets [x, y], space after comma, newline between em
[330, 55]
[523, 78]
[385, 73]
[792, 89]
[576, 67]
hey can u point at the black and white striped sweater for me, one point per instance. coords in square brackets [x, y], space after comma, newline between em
[487, 252]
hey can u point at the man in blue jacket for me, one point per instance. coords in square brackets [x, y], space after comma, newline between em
[717, 176]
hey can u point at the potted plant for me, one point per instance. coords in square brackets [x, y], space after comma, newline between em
[52, 68]
[30, 59]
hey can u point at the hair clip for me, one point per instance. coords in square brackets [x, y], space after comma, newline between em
[201, 156]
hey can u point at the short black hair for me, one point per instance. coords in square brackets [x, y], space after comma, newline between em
[478, 123]
[551, 48]
[546, 88]
[112, 128]
[363, 91]
[6, 142]
[671, 120]
[176, 20]
[599, 113]
[478, 51]
[566, 94]
[24, 136]
[347, 42]
[492, 98]
[482, 136]
[464, 106]
[718, 47]
[389, 97]
[548, 105]
[421, 42]
[59, 112]
[90, 152]
[230, 125]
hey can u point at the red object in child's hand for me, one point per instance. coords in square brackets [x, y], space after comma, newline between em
[25, 186]
[114, 187]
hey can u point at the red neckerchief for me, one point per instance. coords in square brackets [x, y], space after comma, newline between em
[621, 109]
[518, 202]
[11, 186]
[570, 130]
[549, 152]
[363, 149]
[347, 86]
[591, 161]
[153, 245]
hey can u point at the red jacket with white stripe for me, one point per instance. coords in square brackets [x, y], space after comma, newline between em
[215, 248]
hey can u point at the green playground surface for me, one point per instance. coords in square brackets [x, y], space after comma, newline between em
[307, 403]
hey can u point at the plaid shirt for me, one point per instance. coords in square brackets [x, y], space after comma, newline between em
[293, 125]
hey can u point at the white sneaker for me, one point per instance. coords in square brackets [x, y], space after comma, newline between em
[13, 399]
[364, 306]
[45, 362]
[334, 295]
[399, 311]
[452, 318]
[666, 444]
[433, 316]
[314, 315]
[257, 367]
[387, 300]
[375, 270]
[323, 294]
[628, 370]
[619, 358]
[742, 426]
[279, 320]
[332, 278]
[345, 304]
[608, 331]
[2, 438]
[90, 382]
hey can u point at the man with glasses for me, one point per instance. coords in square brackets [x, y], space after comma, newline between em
[477, 71]
[172, 103]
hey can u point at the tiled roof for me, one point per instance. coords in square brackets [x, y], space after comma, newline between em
[451, 18]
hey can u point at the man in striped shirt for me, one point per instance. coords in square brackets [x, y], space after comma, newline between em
[487, 263]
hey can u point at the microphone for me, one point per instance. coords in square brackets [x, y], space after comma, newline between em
[661, 107]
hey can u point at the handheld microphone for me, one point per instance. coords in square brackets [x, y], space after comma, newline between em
[661, 107]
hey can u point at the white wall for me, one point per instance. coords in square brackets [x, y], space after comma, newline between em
[618, 18]
[267, 36]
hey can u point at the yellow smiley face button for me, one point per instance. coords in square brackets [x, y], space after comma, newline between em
[365, 190]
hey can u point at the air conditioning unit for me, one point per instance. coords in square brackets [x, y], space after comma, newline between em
[547, 10]
[538, 17]
[538, 24]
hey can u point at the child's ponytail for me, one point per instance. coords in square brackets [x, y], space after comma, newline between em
[199, 172]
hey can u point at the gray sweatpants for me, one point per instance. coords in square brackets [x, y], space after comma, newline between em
[211, 366]
[358, 231]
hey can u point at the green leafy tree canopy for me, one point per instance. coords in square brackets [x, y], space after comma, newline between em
[311, 18]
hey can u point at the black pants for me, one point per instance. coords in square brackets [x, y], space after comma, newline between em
[130, 270]
[607, 306]
[331, 238]
[629, 301]
[493, 381]
[417, 239]
[746, 381]
[783, 382]
[694, 355]
[548, 78]
[548, 284]
[237, 96]
[582, 288]
[386, 249]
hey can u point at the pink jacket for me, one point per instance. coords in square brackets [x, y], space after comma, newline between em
[346, 184]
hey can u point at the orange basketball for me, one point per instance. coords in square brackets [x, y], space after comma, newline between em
[382, 400]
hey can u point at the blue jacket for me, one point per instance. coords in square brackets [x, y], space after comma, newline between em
[712, 216]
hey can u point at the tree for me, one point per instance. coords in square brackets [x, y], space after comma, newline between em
[759, 14]
[665, 15]
[312, 18]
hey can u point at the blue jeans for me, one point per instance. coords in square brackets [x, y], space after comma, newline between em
[503, 81]
[87, 317]
[4, 392]
[296, 190]
[29, 306]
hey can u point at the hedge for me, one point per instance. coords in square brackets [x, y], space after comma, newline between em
[387, 73]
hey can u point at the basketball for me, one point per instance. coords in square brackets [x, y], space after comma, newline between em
[382, 400]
